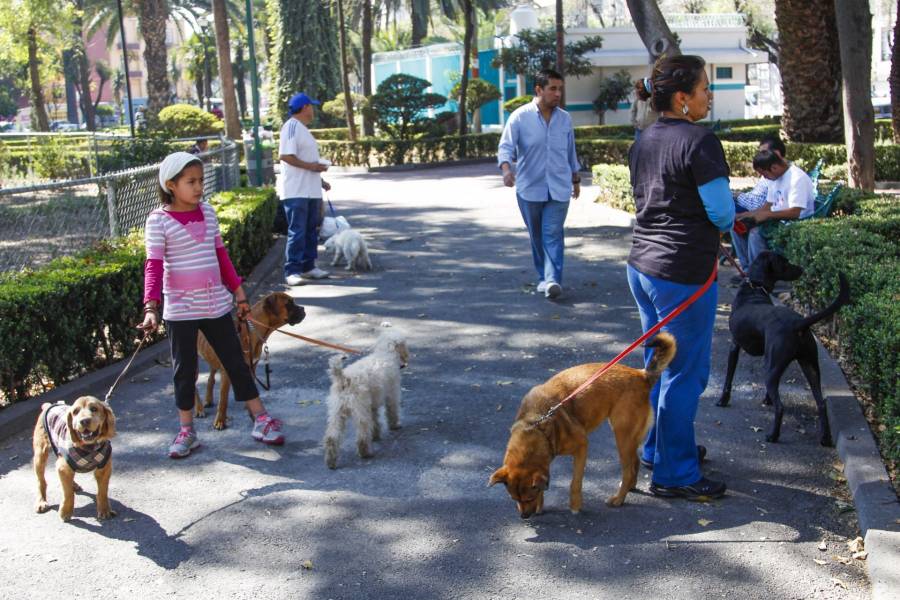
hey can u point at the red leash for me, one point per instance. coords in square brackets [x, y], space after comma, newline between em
[678, 310]
[733, 262]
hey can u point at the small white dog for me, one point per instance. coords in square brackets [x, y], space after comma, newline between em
[360, 390]
[351, 245]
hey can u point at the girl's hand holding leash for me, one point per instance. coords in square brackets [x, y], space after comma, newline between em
[151, 318]
[243, 306]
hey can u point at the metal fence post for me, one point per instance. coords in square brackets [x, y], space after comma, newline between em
[222, 179]
[111, 207]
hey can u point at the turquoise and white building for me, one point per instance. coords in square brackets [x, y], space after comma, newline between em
[721, 39]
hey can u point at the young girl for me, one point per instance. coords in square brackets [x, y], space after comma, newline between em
[188, 262]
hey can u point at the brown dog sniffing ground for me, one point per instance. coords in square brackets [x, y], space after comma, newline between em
[621, 395]
[274, 310]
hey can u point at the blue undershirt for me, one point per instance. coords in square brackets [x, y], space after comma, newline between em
[718, 202]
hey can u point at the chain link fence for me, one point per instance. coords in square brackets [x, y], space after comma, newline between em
[41, 222]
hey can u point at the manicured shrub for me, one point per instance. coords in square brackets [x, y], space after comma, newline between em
[614, 182]
[185, 120]
[513, 103]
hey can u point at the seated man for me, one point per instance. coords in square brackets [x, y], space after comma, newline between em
[790, 195]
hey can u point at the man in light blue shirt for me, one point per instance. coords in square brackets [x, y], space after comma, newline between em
[539, 138]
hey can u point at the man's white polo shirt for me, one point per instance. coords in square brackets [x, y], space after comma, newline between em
[294, 182]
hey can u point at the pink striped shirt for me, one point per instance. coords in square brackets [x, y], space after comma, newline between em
[192, 282]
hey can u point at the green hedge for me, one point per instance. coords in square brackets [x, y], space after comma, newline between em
[740, 156]
[614, 182]
[378, 152]
[79, 313]
[865, 246]
[333, 133]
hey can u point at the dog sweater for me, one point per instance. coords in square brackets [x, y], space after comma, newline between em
[82, 459]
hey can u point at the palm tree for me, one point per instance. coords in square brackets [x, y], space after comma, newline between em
[810, 65]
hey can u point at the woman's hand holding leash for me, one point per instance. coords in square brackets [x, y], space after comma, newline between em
[243, 306]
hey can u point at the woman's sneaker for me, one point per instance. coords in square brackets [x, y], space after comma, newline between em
[267, 430]
[185, 441]
[701, 458]
[703, 490]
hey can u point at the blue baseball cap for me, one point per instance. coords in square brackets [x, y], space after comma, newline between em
[298, 101]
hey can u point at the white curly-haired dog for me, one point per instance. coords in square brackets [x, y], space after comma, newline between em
[360, 390]
[350, 245]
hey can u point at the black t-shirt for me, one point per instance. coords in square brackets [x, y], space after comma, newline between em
[673, 236]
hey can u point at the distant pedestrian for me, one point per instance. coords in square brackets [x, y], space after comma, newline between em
[679, 178]
[300, 188]
[199, 147]
[642, 113]
[540, 140]
[187, 263]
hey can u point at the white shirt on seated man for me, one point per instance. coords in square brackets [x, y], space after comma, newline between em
[790, 195]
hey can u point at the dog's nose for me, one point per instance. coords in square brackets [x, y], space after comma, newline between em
[84, 422]
[525, 515]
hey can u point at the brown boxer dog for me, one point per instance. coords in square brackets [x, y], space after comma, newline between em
[274, 310]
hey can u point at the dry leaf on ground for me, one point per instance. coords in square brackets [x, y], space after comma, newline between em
[704, 522]
[856, 545]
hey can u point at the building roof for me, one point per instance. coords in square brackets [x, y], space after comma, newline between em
[638, 57]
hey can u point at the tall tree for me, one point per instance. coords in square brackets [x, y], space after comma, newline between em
[560, 47]
[854, 23]
[418, 13]
[105, 73]
[153, 15]
[223, 50]
[240, 77]
[83, 66]
[367, 27]
[294, 66]
[894, 78]
[810, 64]
[345, 72]
[38, 102]
[653, 29]
[468, 8]
[536, 50]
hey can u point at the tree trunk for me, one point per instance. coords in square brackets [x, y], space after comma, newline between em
[560, 45]
[240, 78]
[368, 125]
[83, 66]
[894, 79]
[345, 72]
[223, 49]
[102, 83]
[854, 23]
[468, 34]
[38, 104]
[418, 12]
[198, 82]
[653, 29]
[810, 64]
[152, 16]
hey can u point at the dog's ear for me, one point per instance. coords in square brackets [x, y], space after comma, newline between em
[540, 481]
[499, 476]
[76, 439]
[108, 431]
[270, 304]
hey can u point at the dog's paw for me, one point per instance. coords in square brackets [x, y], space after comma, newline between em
[615, 501]
[103, 515]
[41, 507]
[395, 426]
[200, 413]
[220, 424]
[767, 401]
[65, 515]
[772, 439]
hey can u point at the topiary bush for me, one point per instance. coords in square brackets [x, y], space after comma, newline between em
[401, 103]
[185, 121]
[513, 103]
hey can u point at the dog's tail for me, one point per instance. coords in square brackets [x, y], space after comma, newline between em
[842, 299]
[664, 343]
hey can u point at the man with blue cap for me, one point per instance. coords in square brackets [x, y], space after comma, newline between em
[300, 188]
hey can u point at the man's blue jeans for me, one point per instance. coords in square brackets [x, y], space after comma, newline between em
[301, 250]
[670, 444]
[545, 221]
[748, 247]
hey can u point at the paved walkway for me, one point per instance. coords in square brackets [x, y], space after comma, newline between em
[238, 520]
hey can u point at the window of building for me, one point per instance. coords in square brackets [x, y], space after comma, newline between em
[724, 73]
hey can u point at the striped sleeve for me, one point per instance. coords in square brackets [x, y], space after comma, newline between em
[155, 237]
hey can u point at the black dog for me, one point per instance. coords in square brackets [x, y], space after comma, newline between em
[780, 334]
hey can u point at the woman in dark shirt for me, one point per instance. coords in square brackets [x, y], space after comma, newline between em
[680, 180]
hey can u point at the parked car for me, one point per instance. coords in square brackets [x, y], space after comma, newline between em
[60, 126]
[882, 108]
